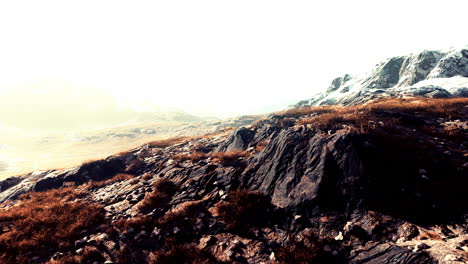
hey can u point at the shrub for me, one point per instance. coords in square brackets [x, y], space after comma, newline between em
[162, 194]
[45, 221]
[244, 209]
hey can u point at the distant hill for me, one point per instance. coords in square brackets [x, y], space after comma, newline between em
[58, 105]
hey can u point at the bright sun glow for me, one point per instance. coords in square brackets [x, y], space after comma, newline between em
[76, 76]
[212, 57]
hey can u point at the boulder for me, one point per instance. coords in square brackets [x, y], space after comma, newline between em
[239, 140]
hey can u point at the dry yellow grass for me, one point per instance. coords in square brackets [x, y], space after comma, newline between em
[329, 117]
[408, 104]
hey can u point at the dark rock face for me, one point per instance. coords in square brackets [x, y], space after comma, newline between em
[301, 166]
[385, 253]
[385, 75]
[338, 82]
[307, 170]
[239, 140]
[417, 68]
[432, 92]
[9, 182]
[455, 63]
[95, 170]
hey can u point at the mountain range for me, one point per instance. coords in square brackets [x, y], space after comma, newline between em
[433, 74]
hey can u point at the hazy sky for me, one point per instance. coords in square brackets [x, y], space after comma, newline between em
[212, 57]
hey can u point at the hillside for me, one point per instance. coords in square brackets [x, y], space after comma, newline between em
[22, 152]
[380, 182]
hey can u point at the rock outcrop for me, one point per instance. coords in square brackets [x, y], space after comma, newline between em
[434, 74]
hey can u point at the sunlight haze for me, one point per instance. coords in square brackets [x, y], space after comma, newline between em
[219, 58]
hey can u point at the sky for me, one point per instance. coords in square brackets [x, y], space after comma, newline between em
[214, 58]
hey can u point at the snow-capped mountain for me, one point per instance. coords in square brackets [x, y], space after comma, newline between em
[433, 74]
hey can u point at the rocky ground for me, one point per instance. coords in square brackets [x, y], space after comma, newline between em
[381, 183]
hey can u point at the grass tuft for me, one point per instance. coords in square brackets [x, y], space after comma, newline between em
[45, 221]
[162, 194]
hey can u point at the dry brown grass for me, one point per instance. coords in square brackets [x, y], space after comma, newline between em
[230, 157]
[136, 223]
[333, 117]
[116, 178]
[225, 158]
[65, 260]
[244, 209]
[440, 106]
[174, 252]
[164, 143]
[194, 156]
[147, 176]
[310, 249]
[135, 165]
[262, 145]
[303, 111]
[296, 253]
[187, 210]
[335, 120]
[45, 221]
[162, 194]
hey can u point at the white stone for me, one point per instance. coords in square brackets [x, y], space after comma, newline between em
[339, 236]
